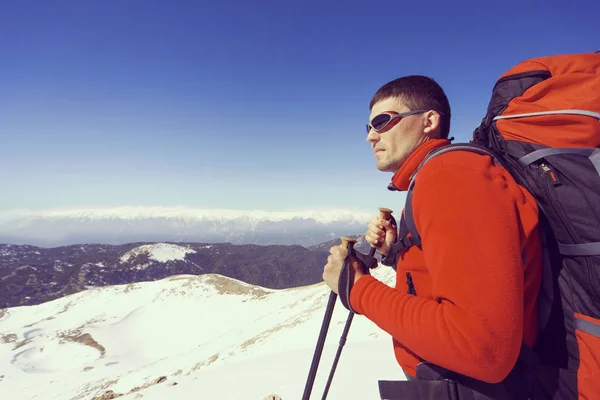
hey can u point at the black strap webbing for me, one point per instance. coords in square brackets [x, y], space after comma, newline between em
[414, 390]
[345, 280]
[581, 249]
[409, 217]
[595, 159]
[344, 283]
[444, 389]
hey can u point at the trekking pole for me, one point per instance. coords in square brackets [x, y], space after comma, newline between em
[384, 213]
[346, 243]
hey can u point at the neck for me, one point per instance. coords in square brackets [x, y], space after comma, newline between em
[401, 178]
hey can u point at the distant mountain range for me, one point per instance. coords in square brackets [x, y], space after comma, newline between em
[32, 275]
[119, 226]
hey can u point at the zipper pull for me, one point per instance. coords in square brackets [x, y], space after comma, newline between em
[549, 172]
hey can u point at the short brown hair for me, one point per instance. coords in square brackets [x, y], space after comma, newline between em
[418, 92]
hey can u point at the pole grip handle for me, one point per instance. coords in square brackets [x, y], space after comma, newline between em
[384, 213]
[348, 242]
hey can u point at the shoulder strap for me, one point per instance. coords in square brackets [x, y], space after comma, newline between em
[408, 219]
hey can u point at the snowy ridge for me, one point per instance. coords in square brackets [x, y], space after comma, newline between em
[184, 337]
[161, 252]
[123, 225]
[191, 214]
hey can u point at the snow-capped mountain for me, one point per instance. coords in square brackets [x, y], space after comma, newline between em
[153, 224]
[188, 337]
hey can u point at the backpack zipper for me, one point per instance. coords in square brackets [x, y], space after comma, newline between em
[409, 283]
[552, 182]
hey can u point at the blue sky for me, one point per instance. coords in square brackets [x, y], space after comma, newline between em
[240, 104]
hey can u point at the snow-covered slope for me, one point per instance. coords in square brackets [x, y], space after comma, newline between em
[161, 252]
[152, 224]
[184, 337]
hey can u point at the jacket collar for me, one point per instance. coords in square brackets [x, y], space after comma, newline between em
[401, 179]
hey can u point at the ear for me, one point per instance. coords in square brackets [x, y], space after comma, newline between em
[432, 121]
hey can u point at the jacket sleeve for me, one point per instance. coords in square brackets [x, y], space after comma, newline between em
[470, 232]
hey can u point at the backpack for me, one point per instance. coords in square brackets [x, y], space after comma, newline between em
[543, 126]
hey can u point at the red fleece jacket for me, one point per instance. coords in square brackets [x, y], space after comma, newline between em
[476, 277]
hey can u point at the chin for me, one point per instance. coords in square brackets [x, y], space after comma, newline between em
[385, 168]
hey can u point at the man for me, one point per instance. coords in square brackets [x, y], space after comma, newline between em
[464, 300]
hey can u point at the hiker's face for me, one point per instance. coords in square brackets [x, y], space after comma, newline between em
[399, 138]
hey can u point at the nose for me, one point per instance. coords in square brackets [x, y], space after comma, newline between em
[372, 136]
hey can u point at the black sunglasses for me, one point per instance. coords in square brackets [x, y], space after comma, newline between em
[382, 120]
